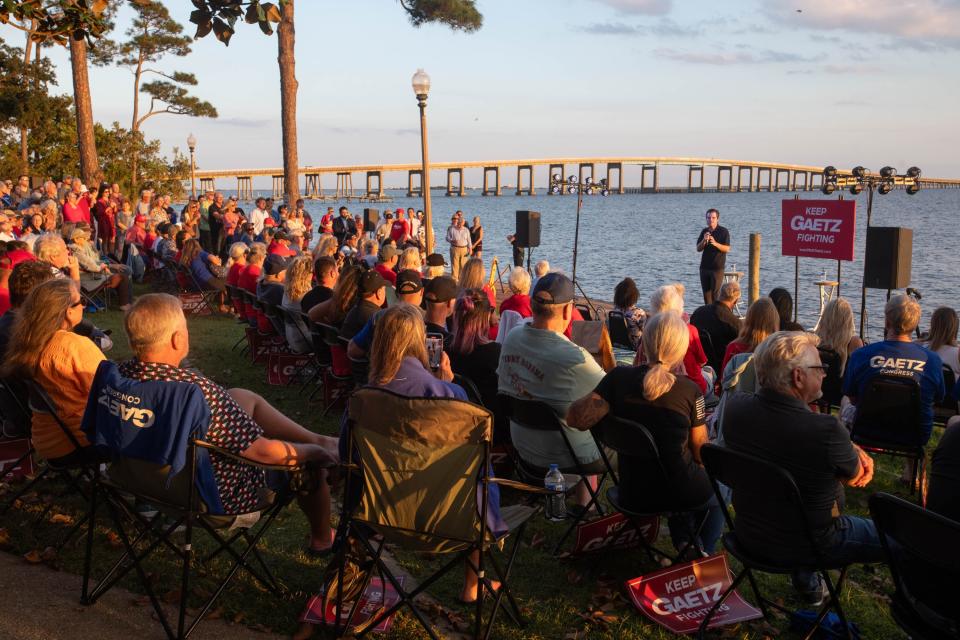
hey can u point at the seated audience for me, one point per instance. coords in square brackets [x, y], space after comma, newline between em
[472, 354]
[777, 425]
[240, 421]
[625, 297]
[250, 277]
[326, 272]
[297, 284]
[434, 268]
[441, 296]
[333, 310]
[94, 269]
[943, 495]
[537, 362]
[409, 290]
[471, 277]
[761, 320]
[942, 339]
[672, 408]
[540, 269]
[838, 339]
[270, 288]
[51, 249]
[201, 265]
[519, 301]
[783, 301]
[718, 321]
[388, 260]
[23, 278]
[668, 298]
[371, 294]
[44, 348]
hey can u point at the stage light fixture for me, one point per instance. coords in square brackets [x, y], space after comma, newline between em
[830, 172]
[913, 189]
[603, 182]
[859, 172]
[572, 189]
[828, 187]
[884, 188]
[588, 181]
[557, 177]
[913, 172]
[856, 188]
[604, 192]
[555, 190]
[888, 172]
[573, 180]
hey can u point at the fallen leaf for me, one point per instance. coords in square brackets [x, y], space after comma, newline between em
[61, 518]
[33, 557]
[114, 540]
[141, 601]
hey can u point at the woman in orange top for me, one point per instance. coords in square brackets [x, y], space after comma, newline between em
[44, 348]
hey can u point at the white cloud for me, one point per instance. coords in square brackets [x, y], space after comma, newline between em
[644, 7]
[723, 58]
[913, 23]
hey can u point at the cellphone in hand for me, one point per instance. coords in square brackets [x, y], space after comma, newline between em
[434, 349]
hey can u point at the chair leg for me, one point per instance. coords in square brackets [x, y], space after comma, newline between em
[705, 623]
[832, 603]
[88, 553]
[185, 578]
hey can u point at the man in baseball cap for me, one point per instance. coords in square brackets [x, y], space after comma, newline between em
[388, 260]
[270, 289]
[441, 296]
[372, 294]
[409, 290]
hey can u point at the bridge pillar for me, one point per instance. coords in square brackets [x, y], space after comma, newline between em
[776, 180]
[344, 185]
[487, 191]
[760, 171]
[792, 180]
[555, 170]
[618, 167]
[807, 180]
[529, 190]
[816, 181]
[585, 165]
[244, 188]
[691, 169]
[459, 173]
[313, 189]
[207, 184]
[729, 171]
[411, 190]
[371, 192]
[740, 178]
[656, 178]
[278, 189]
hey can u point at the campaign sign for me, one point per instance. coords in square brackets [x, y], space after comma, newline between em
[193, 304]
[373, 601]
[281, 367]
[10, 452]
[819, 228]
[262, 346]
[613, 532]
[680, 597]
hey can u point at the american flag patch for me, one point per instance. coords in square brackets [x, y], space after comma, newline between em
[701, 410]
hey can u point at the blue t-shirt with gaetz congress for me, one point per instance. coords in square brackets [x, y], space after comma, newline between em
[893, 357]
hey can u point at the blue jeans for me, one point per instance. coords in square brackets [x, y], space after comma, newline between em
[856, 540]
[682, 526]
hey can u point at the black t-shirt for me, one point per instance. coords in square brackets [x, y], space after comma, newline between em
[717, 321]
[314, 297]
[6, 328]
[669, 419]
[480, 366]
[943, 496]
[814, 447]
[357, 317]
[215, 216]
[447, 336]
[712, 259]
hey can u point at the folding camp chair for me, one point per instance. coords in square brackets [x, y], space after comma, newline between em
[540, 416]
[773, 487]
[16, 418]
[293, 319]
[888, 423]
[208, 297]
[338, 377]
[632, 440]
[321, 353]
[946, 408]
[236, 299]
[169, 466]
[925, 572]
[423, 465]
[832, 380]
[619, 334]
[272, 312]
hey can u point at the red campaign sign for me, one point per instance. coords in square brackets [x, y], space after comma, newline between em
[282, 366]
[193, 304]
[372, 603]
[613, 532]
[10, 452]
[819, 228]
[680, 597]
[262, 346]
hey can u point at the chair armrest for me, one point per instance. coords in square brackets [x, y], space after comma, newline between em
[521, 486]
[247, 461]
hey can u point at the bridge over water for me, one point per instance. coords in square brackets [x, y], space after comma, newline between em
[730, 176]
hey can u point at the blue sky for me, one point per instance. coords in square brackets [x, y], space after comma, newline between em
[842, 82]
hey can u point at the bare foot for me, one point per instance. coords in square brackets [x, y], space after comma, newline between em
[469, 596]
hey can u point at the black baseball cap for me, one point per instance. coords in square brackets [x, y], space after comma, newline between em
[436, 260]
[553, 288]
[275, 264]
[409, 281]
[370, 281]
[442, 289]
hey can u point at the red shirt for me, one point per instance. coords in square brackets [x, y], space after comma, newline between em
[573, 318]
[387, 273]
[733, 349]
[693, 359]
[399, 230]
[280, 250]
[326, 223]
[79, 212]
[248, 281]
[519, 302]
[233, 275]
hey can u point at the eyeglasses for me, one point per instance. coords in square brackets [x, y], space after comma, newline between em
[822, 367]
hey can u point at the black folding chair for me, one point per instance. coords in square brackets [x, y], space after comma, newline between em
[321, 354]
[772, 488]
[619, 333]
[946, 408]
[16, 417]
[539, 416]
[633, 441]
[208, 298]
[925, 572]
[832, 381]
[293, 319]
[339, 376]
[473, 393]
[272, 311]
[888, 423]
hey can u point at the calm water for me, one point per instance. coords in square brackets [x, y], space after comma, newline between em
[651, 238]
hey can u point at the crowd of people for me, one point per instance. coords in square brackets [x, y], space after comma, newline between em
[761, 385]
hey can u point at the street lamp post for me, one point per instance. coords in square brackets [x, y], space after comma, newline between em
[421, 87]
[192, 144]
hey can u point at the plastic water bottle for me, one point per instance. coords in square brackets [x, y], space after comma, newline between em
[556, 508]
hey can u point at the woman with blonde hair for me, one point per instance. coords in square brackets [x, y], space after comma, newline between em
[671, 407]
[669, 297]
[837, 332]
[326, 246]
[409, 259]
[202, 266]
[44, 348]
[334, 310]
[298, 282]
[471, 277]
[762, 319]
[943, 337]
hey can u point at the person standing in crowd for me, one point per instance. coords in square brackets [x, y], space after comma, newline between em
[215, 218]
[459, 238]
[383, 229]
[713, 243]
[106, 219]
[400, 229]
[144, 206]
[258, 215]
[326, 221]
[344, 225]
[776, 425]
[476, 238]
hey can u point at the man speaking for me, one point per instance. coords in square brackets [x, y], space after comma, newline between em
[713, 243]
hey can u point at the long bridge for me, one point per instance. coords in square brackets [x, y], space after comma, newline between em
[760, 176]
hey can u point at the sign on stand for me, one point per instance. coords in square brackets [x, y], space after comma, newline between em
[614, 532]
[374, 600]
[819, 228]
[194, 304]
[282, 366]
[680, 597]
[262, 346]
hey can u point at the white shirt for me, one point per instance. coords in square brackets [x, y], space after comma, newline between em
[458, 237]
[257, 216]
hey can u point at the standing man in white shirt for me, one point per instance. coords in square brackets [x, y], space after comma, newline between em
[459, 238]
[258, 215]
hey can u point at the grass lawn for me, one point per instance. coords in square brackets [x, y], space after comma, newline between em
[563, 598]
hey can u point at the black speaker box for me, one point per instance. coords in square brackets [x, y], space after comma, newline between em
[887, 262]
[528, 229]
[371, 218]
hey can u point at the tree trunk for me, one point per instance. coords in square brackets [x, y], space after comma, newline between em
[288, 104]
[89, 166]
[24, 149]
[135, 124]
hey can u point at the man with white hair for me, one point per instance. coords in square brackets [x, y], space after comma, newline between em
[540, 269]
[241, 421]
[777, 425]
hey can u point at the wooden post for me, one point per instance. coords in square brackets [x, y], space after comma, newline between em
[754, 267]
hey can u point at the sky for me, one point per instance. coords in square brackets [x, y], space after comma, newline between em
[842, 82]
